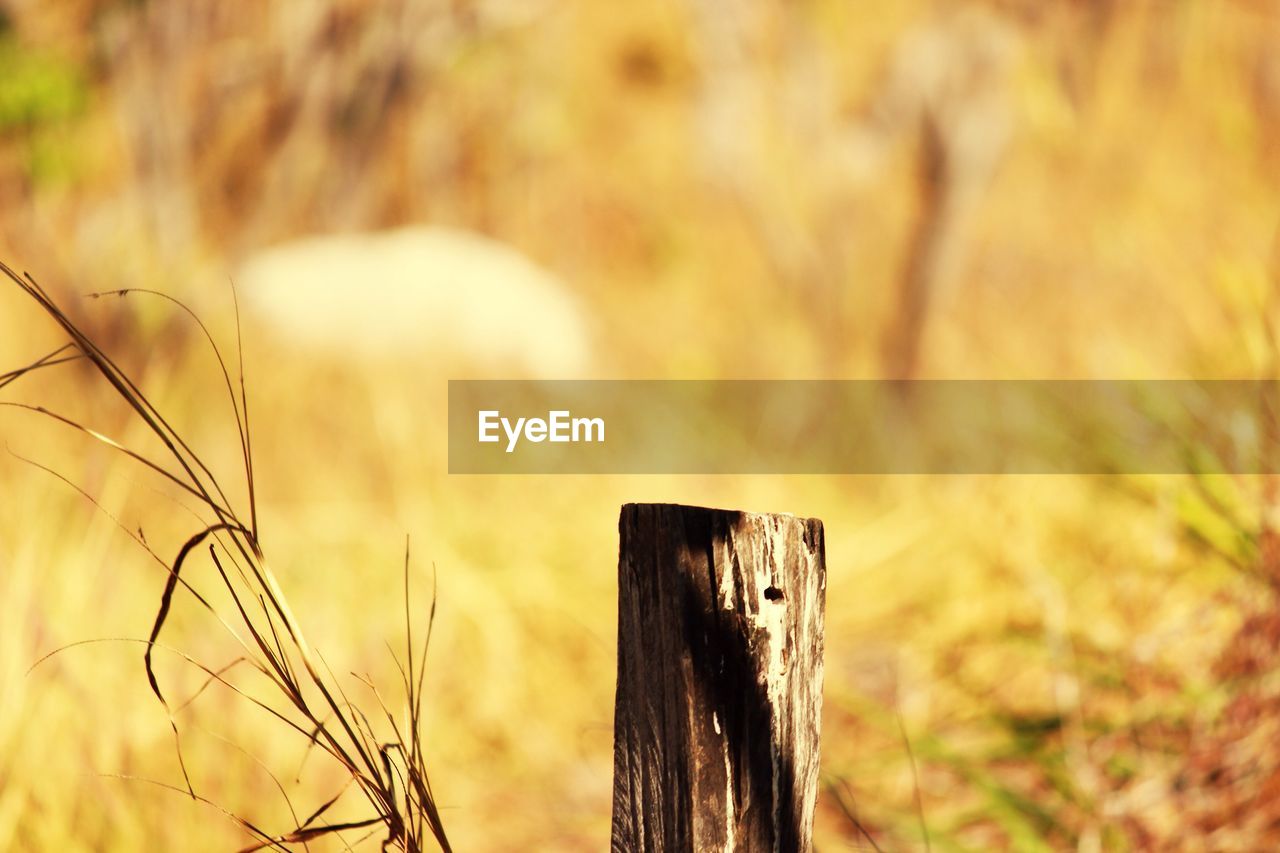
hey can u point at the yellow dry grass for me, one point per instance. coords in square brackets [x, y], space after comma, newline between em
[1049, 646]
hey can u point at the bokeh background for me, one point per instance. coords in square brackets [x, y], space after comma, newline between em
[695, 189]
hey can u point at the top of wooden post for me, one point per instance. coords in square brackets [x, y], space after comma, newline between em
[719, 679]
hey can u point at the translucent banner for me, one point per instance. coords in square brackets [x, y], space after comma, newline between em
[863, 427]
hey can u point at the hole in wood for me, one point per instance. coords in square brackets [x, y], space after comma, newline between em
[773, 593]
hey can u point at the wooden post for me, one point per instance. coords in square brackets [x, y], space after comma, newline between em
[719, 680]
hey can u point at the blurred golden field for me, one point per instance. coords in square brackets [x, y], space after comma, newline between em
[1023, 663]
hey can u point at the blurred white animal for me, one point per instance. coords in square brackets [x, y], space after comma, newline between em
[455, 298]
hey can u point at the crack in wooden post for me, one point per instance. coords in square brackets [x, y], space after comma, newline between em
[719, 701]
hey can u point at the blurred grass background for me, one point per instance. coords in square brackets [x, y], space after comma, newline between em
[1012, 662]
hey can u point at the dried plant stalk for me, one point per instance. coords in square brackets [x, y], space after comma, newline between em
[391, 775]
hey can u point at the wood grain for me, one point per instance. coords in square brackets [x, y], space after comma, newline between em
[717, 717]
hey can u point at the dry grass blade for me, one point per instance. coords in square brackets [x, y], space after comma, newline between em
[109, 442]
[839, 792]
[248, 826]
[300, 692]
[46, 361]
[239, 408]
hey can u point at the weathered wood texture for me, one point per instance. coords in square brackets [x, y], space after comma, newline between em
[719, 680]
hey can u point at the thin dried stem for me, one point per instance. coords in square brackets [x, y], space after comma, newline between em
[391, 775]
